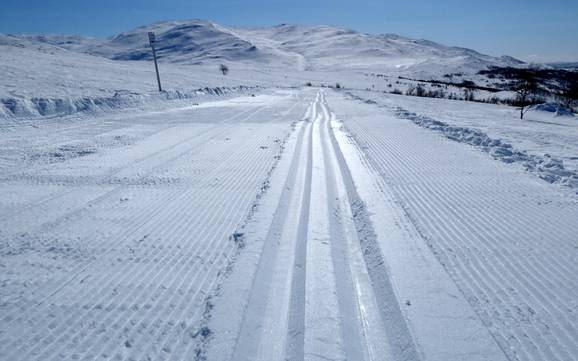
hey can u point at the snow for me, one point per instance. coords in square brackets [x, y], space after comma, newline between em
[291, 46]
[560, 110]
[500, 235]
[542, 143]
[251, 217]
[142, 224]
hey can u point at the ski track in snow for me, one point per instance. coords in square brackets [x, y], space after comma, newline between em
[314, 283]
[137, 258]
[312, 297]
[270, 228]
[508, 241]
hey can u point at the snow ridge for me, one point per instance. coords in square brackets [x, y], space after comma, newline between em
[547, 167]
[22, 107]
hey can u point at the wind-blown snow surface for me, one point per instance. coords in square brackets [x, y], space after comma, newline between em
[297, 224]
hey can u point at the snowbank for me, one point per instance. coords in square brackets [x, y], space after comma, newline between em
[560, 110]
[21, 107]
[548, 168]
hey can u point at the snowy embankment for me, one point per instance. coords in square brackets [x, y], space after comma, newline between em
[36, 107]
[44, 80]
[547, 165]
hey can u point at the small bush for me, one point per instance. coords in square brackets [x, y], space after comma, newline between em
[435, 94]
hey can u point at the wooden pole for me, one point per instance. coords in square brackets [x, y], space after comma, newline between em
[152, 42]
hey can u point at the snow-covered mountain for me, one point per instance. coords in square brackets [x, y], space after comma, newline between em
[299, 47]
[330, 47]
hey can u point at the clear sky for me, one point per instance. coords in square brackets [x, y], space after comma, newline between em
[532, 30]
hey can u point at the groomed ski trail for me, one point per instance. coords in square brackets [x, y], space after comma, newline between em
[314, 282]
[313, 297]
[142, 255]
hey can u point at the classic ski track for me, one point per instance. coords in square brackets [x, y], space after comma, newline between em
[292, 191]
[510, 286]
[522, 280]
[313, 288]
[211, 249]
[321, 288]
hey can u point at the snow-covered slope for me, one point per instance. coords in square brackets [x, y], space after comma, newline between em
[60, 70]
[330, 47]
[178, 41]
[302, 47]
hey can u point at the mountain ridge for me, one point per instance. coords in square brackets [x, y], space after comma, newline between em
[302, 47]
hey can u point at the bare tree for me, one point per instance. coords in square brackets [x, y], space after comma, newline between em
[224, 69]
[525, 88]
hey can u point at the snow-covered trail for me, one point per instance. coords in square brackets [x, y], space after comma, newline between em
[506, 238]
[312, 282]
[295, 225]
[111, 250]
[315, 282]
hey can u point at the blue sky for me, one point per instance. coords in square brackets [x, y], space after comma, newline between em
[532, 30]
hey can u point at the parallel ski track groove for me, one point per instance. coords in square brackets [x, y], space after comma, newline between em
[531, 279]
[318, 158]
[399, 335]
[247, 342]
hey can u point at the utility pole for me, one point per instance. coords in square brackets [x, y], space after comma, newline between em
[152, 42]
